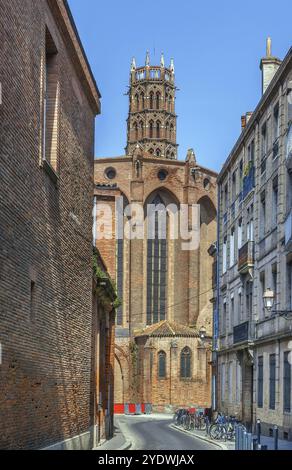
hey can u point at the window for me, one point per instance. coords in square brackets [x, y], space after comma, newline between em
[230, 381]
[289, 286]
[274, 283]
[141, 129]
[260, 381]
[222, 382]
[136, 136]
[224, 263]
[110, 173]
[239, 306]
[275, 202]
[143, 100]
[151, 96]
[171, 129]
[137, 101]
[157, 100]
[241, 174]
[226, 197]
[158, 152]
[223, 317]
[272, 394]
[151, 129]
[51, 105]
[158, 129]
[157, 266]
[232, 247]
[231, 322]
[248, 298]
[263, 214]
[276, 122]
[185, 363]
[264, 148]
[233, 186]
[250, 152]
[239, 234]
[238, 382]
[263, 288]
[287, 382]
[161, 365]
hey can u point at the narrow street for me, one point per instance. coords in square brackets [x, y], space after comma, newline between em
[154, 433]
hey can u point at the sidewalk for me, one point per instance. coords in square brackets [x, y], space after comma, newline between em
[117, 442]
[269, 441]
[228, 445]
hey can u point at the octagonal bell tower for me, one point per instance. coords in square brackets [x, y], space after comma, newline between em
[152, 119]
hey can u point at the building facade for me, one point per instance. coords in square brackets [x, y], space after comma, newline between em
[162, 356]
[48, 107]
[254, 254]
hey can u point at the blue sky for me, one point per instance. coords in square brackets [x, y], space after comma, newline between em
[216, 45]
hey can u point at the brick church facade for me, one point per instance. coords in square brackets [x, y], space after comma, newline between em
[164, 323]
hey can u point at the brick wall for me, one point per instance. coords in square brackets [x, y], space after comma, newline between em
[46, 238]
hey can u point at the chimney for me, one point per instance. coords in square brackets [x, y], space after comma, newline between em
[244, 119]
[269, 66]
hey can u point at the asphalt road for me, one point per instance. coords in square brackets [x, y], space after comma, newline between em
[154, 433]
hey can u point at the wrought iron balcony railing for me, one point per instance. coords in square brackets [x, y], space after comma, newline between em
[246, 257]
[241, 332]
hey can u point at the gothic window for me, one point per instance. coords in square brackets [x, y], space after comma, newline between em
[166, 100]
[157, 265]
[141, 128]
[135, 131]
[171, 132]
[137, 101]
[167, 154]
[151, 99]
[172, 155]
[167, 130]
[151, 129]
[161, 365]
[158, 152]
[142, 100]
[185, 363]
[157, 100]
[151, 151]
[158, 129]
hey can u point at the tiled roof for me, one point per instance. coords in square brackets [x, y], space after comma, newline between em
[167, 328]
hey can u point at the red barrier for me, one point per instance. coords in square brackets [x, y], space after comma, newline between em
[143, 408]
[132, 408]
[119, 408]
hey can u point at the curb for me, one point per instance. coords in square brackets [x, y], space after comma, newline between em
[203, 438]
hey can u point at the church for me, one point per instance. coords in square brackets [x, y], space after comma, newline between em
[163, 332]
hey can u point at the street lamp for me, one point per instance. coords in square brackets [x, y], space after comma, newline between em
[269, 298]
[202, 332]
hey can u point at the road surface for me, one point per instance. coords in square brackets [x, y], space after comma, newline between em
[153, 432]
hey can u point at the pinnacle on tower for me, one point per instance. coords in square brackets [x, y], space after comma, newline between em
[172, 65]
[133, 64]
[147, 61]
[162, 60]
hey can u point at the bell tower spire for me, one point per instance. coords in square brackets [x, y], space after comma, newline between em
[152, 119]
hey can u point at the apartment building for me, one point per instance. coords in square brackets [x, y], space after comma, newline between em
[254, 337]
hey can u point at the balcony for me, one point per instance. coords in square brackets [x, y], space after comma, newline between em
[288, 232]
[246, 257]
[248, 182]
[241, 333]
